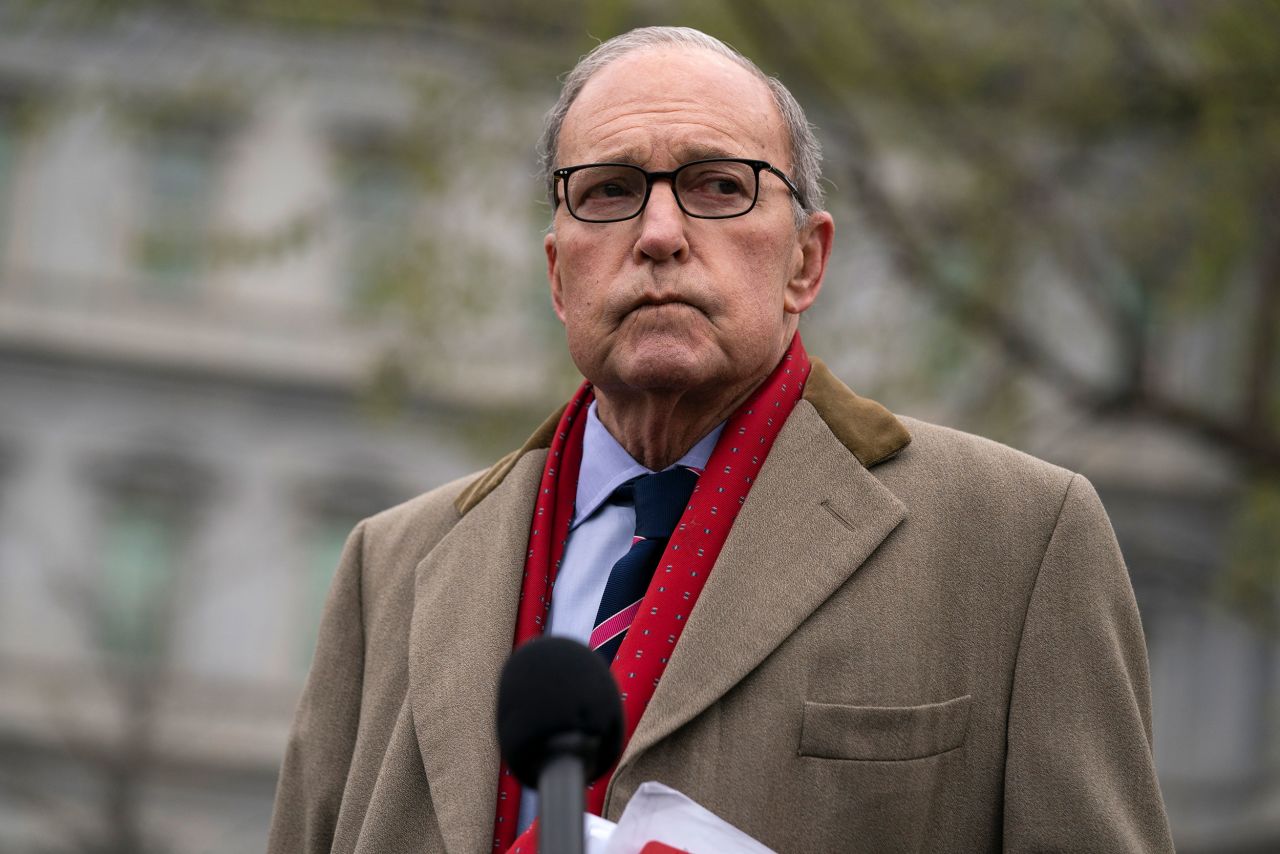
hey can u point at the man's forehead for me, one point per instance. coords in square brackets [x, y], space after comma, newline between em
[673, 102]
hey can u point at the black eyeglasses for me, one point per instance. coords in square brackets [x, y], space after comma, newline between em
[708, 189]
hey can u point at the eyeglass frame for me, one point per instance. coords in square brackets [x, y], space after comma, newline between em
[757, 166]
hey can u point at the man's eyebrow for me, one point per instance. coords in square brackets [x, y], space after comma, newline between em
[689, 153]
[622, 157]
[702, 152]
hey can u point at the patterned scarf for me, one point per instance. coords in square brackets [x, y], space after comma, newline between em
[691, 552]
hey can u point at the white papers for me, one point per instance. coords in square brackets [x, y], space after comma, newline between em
[598, 833]
[658, 813]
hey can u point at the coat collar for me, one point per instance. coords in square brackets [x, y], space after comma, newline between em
[464, 618]
[812, 518]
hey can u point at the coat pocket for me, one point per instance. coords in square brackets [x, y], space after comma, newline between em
[883, 733]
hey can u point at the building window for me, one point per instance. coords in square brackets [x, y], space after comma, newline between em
[140, 548]
[181, 158]
[146, 512]
[380, 193]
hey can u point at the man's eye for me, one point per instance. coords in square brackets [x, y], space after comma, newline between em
[607, 190]
[726, 186]
[717, 185]
[612, 190]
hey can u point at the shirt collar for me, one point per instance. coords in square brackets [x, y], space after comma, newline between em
[606, 465]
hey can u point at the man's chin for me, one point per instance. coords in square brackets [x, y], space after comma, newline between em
[668, 370]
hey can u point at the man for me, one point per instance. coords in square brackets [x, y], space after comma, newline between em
[861, 633]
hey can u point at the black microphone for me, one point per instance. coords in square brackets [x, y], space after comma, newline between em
[559, 726]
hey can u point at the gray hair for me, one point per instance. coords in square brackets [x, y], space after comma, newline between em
[806, 153]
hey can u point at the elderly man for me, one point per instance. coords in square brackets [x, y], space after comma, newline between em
[838, 629]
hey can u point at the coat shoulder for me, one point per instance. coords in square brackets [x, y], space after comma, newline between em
[434, 503]
[952, 470]
[935, 443]
[397, 538]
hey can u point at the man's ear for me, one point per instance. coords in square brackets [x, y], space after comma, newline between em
[813, 248]
[553, 274]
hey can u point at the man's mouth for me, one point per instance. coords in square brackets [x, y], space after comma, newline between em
[656, 302]
[659, 302]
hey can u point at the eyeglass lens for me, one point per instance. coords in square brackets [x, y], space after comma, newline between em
[718, 188]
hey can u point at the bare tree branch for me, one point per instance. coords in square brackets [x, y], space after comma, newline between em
[1248, 438]
[1265, 331]
[1037, 197]
[909, 254]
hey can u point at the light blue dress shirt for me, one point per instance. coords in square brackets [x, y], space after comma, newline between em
[599, 536]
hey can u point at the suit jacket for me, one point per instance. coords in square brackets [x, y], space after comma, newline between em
[929, 646]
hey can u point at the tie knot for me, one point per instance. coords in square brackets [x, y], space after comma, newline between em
[659, 500]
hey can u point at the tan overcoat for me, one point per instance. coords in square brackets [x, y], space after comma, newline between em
[910, 642]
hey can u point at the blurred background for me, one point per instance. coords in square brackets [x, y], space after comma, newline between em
[268, 267]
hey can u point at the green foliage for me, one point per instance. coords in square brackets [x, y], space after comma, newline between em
[1132, 147]
[1126, 152]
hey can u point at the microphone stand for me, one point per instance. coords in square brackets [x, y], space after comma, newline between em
[561, 797]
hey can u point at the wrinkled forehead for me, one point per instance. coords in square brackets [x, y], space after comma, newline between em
[658, 107]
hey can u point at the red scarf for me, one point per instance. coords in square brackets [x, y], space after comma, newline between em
[690, 554]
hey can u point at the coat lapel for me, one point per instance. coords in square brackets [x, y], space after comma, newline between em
[814, 515]
[463, 624]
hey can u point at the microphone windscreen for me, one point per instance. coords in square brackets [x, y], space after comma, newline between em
[553, 687]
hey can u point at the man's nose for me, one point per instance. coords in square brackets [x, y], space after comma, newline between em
[662, 225]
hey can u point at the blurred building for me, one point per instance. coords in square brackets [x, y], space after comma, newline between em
[220, 248]
[200, 232]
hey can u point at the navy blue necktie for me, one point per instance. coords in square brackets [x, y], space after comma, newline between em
[660, 500]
